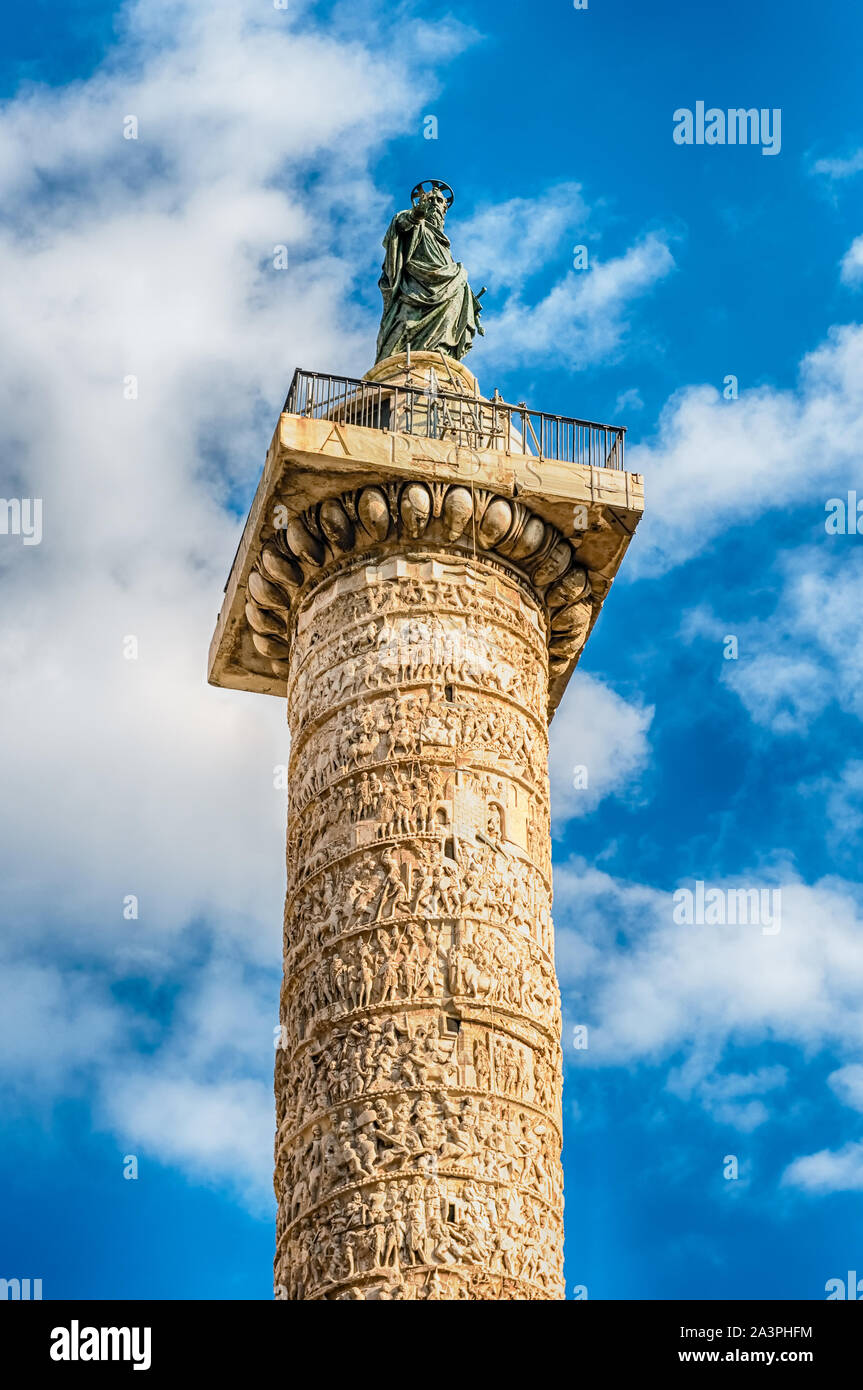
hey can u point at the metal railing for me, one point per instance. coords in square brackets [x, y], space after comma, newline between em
[466, 421]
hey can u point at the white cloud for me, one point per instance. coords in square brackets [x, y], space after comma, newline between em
[653, 991]
[847, 1082]
[851, 269]
[153, 257]
[839, 1170]
[584, 318]
[844, 802]
[807, 655]
[219, 1131]
[836, 1170]
[204, 1097]
[186, 1082]
[628, 400]
[731, 1098]
[603, 735]
[54, 1024]
[716, 463]
[505, 243]
[837, 169]
[780, 691]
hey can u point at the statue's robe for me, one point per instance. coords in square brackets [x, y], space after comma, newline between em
[428, 302]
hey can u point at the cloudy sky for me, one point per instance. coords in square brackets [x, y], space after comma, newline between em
[149, 340]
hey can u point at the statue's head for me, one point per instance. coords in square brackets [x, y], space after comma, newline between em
[434, 197]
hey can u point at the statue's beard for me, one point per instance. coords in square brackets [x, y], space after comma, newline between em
[435, 216]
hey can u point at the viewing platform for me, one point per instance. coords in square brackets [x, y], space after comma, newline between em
[420, 418]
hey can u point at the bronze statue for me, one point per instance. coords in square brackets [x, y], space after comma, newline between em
[428, 303]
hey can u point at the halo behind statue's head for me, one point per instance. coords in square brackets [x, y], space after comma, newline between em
[424, 190]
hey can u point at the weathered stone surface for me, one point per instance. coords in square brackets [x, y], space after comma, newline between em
[418, 1090]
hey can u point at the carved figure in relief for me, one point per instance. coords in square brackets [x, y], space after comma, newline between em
[363, 889]
[393, 891]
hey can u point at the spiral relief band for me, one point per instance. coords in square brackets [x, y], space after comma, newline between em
[418, 1080]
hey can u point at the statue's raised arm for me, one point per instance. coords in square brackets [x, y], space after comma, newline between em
[428, 303]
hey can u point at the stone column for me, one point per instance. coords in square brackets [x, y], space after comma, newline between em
[419, 1086]
[420, 605]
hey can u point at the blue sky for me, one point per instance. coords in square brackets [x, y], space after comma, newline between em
[152, 258]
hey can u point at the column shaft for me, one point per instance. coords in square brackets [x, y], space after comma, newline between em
[418, 1084]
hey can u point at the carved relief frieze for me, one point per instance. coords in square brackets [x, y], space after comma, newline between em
[418, 1073]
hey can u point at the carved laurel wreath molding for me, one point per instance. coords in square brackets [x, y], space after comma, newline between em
[459, 515]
